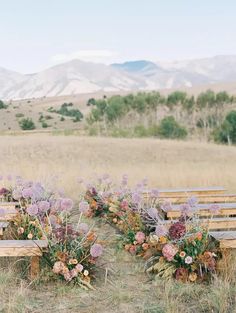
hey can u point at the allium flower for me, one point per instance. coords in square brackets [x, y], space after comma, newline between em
[152, 212]
[96, 250]
[136, 198]
[17, 194]
[32, 210]
[166, 206]
[214, 208]
[192, 201]
[66, 204]
[188, 260]
[140, 237]
[161, 230]
[83, 206]
[169, 251]
[177, 230]
[79, 267]
[186, 209]
[44, 206]
[83, 228]
[155, 193]
[27, 193]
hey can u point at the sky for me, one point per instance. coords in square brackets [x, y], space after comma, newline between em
[36, 34]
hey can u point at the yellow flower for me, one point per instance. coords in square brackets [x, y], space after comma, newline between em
[154, 239]
[192, 277]
[86, 273]
[30, 236]
[73, 261]
[182, 254]
[163, 239]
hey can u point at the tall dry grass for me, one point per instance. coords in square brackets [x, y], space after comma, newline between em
[122, 285]
[164, 163]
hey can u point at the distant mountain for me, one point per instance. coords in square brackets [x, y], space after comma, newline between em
[78, 77]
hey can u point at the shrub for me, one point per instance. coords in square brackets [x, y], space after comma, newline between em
[169, 128]
[19, 115]
[62, 119]
[140, 131]
[3, 105]
[226, 133]
[44, 125]
[27, 124]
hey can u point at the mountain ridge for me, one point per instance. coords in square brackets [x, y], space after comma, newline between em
[79, 77]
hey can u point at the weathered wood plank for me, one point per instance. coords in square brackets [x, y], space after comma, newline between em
[227, 239]
[215, 223]
[201, 198]
[203, 209]
[23, 243]
[7, 214]
[188, 191]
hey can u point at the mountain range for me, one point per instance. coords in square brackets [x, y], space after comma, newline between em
[78, 77]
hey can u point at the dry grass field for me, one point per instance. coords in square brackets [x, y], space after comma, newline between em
[125, 288]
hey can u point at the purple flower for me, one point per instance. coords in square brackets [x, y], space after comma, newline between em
[161, 230]
[32, 210]
[96, 250]
[83, 228]
[83, 206]
[192, 201]
[66, 204]
[136, 198]
[27, 193]
[214, 208]
[166, 206]
[17, 194]
[155, 193]
[152, 212]
[44, 206]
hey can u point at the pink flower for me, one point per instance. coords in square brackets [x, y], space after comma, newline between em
[79, 267]
[96, 250]
[83, 206]
[140, 237]
[67, 276]
[32, 210]
[73, 273]
[66, 204]
[132, 249]
[58, 267]
[169, 251]
[188, 260]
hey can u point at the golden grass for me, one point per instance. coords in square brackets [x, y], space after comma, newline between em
[164, 163]
[125, 288]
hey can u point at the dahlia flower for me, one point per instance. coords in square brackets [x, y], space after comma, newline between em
[140, 237]
[169, 251]
[177, 230]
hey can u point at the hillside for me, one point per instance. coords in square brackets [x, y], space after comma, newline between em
[79, 77]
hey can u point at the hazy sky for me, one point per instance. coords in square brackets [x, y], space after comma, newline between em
[36, 34]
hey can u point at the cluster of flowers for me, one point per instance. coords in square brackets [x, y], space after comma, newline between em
[44, 214]
[183, 249]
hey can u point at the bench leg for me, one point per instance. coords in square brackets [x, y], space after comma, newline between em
[34, 268]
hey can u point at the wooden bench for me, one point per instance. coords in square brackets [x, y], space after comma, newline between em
[201, 198]
[180, 192]
[221, 223]
[22, 248]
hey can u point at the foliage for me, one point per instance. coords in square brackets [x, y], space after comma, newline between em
[65, 110]
[3, 105]
[226, 133]
[27, 124]
[169, 128]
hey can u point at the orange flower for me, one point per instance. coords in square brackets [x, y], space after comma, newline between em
[199, 236]
[192, 277]
[93, 204]
[163, 240]
[91, 236]
[182, 254]
[127, 247]
[145, 246]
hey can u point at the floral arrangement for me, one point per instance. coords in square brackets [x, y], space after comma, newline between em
[183, 249]
[43, 213]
